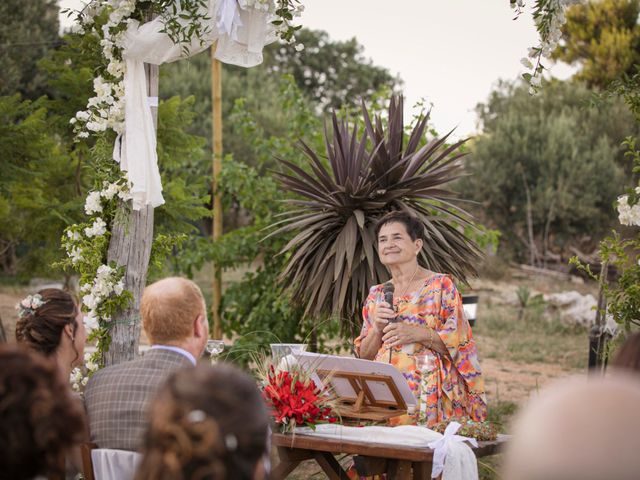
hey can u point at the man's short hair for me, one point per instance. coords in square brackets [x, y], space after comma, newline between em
[168, 309]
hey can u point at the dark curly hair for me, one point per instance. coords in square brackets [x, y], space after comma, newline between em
[207, 423]
[40, 420]
[413, 225]
[40, 330]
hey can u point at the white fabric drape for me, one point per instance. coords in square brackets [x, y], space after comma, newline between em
[451, 457]
[241, 36]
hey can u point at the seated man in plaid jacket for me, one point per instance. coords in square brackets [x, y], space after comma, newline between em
[117, 397]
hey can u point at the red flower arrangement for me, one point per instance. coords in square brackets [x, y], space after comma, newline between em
[295, 399]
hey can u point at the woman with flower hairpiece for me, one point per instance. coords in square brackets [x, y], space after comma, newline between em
[426, 319]
[208, 423]
[51, 324]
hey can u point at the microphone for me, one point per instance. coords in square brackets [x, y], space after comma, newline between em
[387, 290]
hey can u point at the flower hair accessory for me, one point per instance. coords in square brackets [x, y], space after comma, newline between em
[29, 305]
[196, 416]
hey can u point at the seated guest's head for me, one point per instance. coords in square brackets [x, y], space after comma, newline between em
[209, 423]
[51, 323]
[39, 418]
[174, 313]
[628, 356]
[581, 429]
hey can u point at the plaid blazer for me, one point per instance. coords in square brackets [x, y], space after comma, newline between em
[117, 398]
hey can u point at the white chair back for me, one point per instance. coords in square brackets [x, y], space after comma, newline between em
[111, 464]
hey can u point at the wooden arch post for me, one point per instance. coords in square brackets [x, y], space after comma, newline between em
[130, 245]
[216, 112]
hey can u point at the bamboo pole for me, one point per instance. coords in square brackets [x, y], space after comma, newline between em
[216, 111]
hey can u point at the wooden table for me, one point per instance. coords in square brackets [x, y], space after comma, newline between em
[399, 462]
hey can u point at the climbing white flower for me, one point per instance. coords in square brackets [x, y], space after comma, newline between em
[93, 204]
[75, 254]
[98, 228]
[90, 301]
[91, 324]
[82, 116]
[118, 288]
[628, 214]
[104, 271]
[109, 190]
[526, 62]
[73, 235]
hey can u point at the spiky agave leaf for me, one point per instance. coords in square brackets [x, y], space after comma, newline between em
[333, 261]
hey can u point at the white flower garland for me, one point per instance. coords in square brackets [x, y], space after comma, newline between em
[108, 282]
[80, 375]
[105, 110]
[549, 18]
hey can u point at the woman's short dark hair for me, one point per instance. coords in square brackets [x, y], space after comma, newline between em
[41, 328]
[628, 356]
[206, 422]
[414, 227]
[40, 420]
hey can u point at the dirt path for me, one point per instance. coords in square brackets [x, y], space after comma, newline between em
[515, 382]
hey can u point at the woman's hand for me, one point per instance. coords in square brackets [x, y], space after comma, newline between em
[383, 314]
[401, 333]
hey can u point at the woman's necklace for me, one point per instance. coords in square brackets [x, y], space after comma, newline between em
[404, 291]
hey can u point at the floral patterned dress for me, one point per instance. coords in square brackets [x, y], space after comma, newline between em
[455, 386]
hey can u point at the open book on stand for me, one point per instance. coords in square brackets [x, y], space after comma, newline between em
[364, 389]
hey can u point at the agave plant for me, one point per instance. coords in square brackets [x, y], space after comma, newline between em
[332, 257]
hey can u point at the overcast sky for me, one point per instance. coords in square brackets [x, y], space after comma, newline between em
[449, 52]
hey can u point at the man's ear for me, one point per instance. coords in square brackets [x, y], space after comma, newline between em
[199, 327]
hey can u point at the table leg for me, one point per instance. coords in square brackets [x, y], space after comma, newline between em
[370, 466]
[330, 465]
[399, 470]
[422, 470]
[283, 469]
[288, 461]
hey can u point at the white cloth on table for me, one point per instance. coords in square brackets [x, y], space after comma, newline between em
[111, 464]
[456, 459]
[241, 38]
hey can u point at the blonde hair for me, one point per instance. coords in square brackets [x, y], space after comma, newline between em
[169, 308]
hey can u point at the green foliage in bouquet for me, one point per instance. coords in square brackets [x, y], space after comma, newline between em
[483, 431]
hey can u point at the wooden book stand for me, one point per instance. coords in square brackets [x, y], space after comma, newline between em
[364, 405]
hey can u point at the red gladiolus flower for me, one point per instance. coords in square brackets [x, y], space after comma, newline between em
[294, 399]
